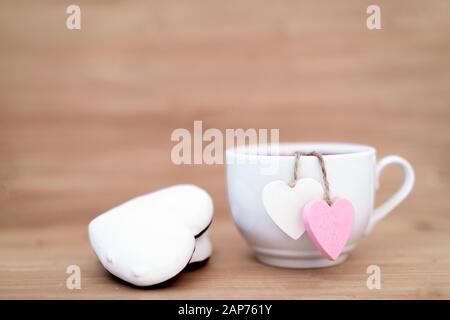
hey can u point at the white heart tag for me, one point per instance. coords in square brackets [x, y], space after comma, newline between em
[284, 204]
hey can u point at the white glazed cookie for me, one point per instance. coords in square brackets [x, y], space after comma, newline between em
[203, 248]
[151, 238]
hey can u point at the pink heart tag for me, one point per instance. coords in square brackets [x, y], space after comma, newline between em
[329, 227]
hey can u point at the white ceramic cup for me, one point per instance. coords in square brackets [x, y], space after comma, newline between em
[353, 174]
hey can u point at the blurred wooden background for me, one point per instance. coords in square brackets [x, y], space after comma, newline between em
[86, 118]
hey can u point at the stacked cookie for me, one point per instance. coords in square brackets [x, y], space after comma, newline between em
[150, 239]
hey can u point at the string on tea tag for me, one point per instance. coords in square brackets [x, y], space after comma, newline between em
[295, 178]
[324, 176]
[326, 185]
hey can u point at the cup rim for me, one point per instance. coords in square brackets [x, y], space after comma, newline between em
[287, 149]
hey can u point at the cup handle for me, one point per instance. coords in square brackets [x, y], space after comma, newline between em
[408, 182]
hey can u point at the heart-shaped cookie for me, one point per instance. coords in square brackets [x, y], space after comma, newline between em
[329, 227]
[203, 248]
[151, 238]
[284, 204]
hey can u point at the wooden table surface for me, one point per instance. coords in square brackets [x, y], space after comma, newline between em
[86, 118]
